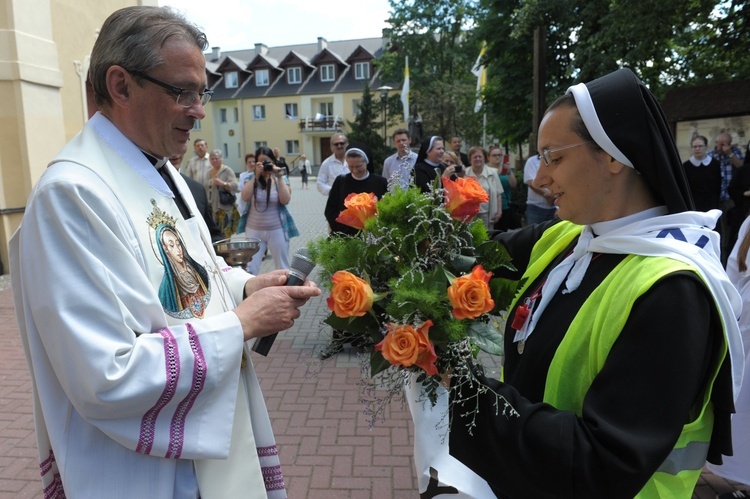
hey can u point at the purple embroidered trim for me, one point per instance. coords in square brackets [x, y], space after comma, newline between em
[172, 365]
[55, 489]
[46, 465]
[272, 477]
[177, 428]
[268, 451]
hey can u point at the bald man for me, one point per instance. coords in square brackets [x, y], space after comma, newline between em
[730, 158]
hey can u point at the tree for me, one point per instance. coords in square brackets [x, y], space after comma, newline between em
[439, 38]
[366, 127]
[714, 45]
[667, 43]
[508, 59]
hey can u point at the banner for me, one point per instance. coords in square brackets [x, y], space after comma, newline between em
[481, 73]
[405, 91]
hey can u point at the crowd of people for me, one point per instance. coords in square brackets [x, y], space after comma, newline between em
[235, 207]
[624, 353]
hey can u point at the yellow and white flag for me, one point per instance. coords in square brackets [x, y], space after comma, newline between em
[481, 73]
[405, 91]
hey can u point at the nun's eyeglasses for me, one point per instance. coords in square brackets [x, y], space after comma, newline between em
[546, 152]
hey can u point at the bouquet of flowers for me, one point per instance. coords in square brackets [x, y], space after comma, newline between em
[414, 286]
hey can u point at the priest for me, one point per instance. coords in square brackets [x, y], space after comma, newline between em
[134, 330]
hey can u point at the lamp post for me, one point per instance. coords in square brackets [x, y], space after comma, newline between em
[383, 100]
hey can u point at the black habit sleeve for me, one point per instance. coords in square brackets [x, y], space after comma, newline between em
[631, 417]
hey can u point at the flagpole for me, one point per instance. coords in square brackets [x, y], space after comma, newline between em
[484, 130]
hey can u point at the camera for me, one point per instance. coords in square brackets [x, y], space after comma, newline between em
[459, 168]
[267, 166]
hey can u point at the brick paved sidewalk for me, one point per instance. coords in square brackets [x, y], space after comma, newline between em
[326, 446]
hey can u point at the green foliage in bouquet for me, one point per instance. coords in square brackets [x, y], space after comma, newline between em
[393, 277]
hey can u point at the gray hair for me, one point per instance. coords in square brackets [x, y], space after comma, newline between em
[216, 152]
[132, 37]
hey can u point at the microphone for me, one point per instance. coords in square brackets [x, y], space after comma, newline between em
[300, 269]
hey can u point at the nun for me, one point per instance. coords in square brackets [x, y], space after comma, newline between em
[360, 179]
[428, 166]
[622, 350]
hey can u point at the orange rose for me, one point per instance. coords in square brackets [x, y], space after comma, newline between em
[359, 209]
[470, 294]
[405, 346]
[350, 296]
[463, 197]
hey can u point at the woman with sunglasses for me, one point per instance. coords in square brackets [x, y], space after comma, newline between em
[334, 165]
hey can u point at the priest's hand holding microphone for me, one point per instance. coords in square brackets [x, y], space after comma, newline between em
[273, 300]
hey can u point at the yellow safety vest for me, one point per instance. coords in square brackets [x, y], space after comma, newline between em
[585, 347]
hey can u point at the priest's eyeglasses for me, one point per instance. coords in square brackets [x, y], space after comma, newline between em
[185, 98]
[545, 155]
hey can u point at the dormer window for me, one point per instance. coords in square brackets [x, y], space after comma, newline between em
[231, 80]
[261, 78]
[327, 72]
[294, 75]
[361, 70]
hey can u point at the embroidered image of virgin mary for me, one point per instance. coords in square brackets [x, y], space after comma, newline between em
[184, 289]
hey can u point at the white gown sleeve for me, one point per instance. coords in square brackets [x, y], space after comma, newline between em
[161, 390]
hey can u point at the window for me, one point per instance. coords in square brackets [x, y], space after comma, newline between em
[259, 112]
[326, 109]
[260, 143]
[226, 150]
[231, 80]
[197, 125]
[294, 75]
[239, 150]
[290, 111]
[261, 78]
[361, 70]
[356, 106]
[222, 115]
[292, 146]
[236, 115]
[327, 72]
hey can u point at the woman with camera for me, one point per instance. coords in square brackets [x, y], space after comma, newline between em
[221, 194]
[266, 217]
[428, 164]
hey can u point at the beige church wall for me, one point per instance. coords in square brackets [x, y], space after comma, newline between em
[40, 42]
[75, 25]
[31, 114]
